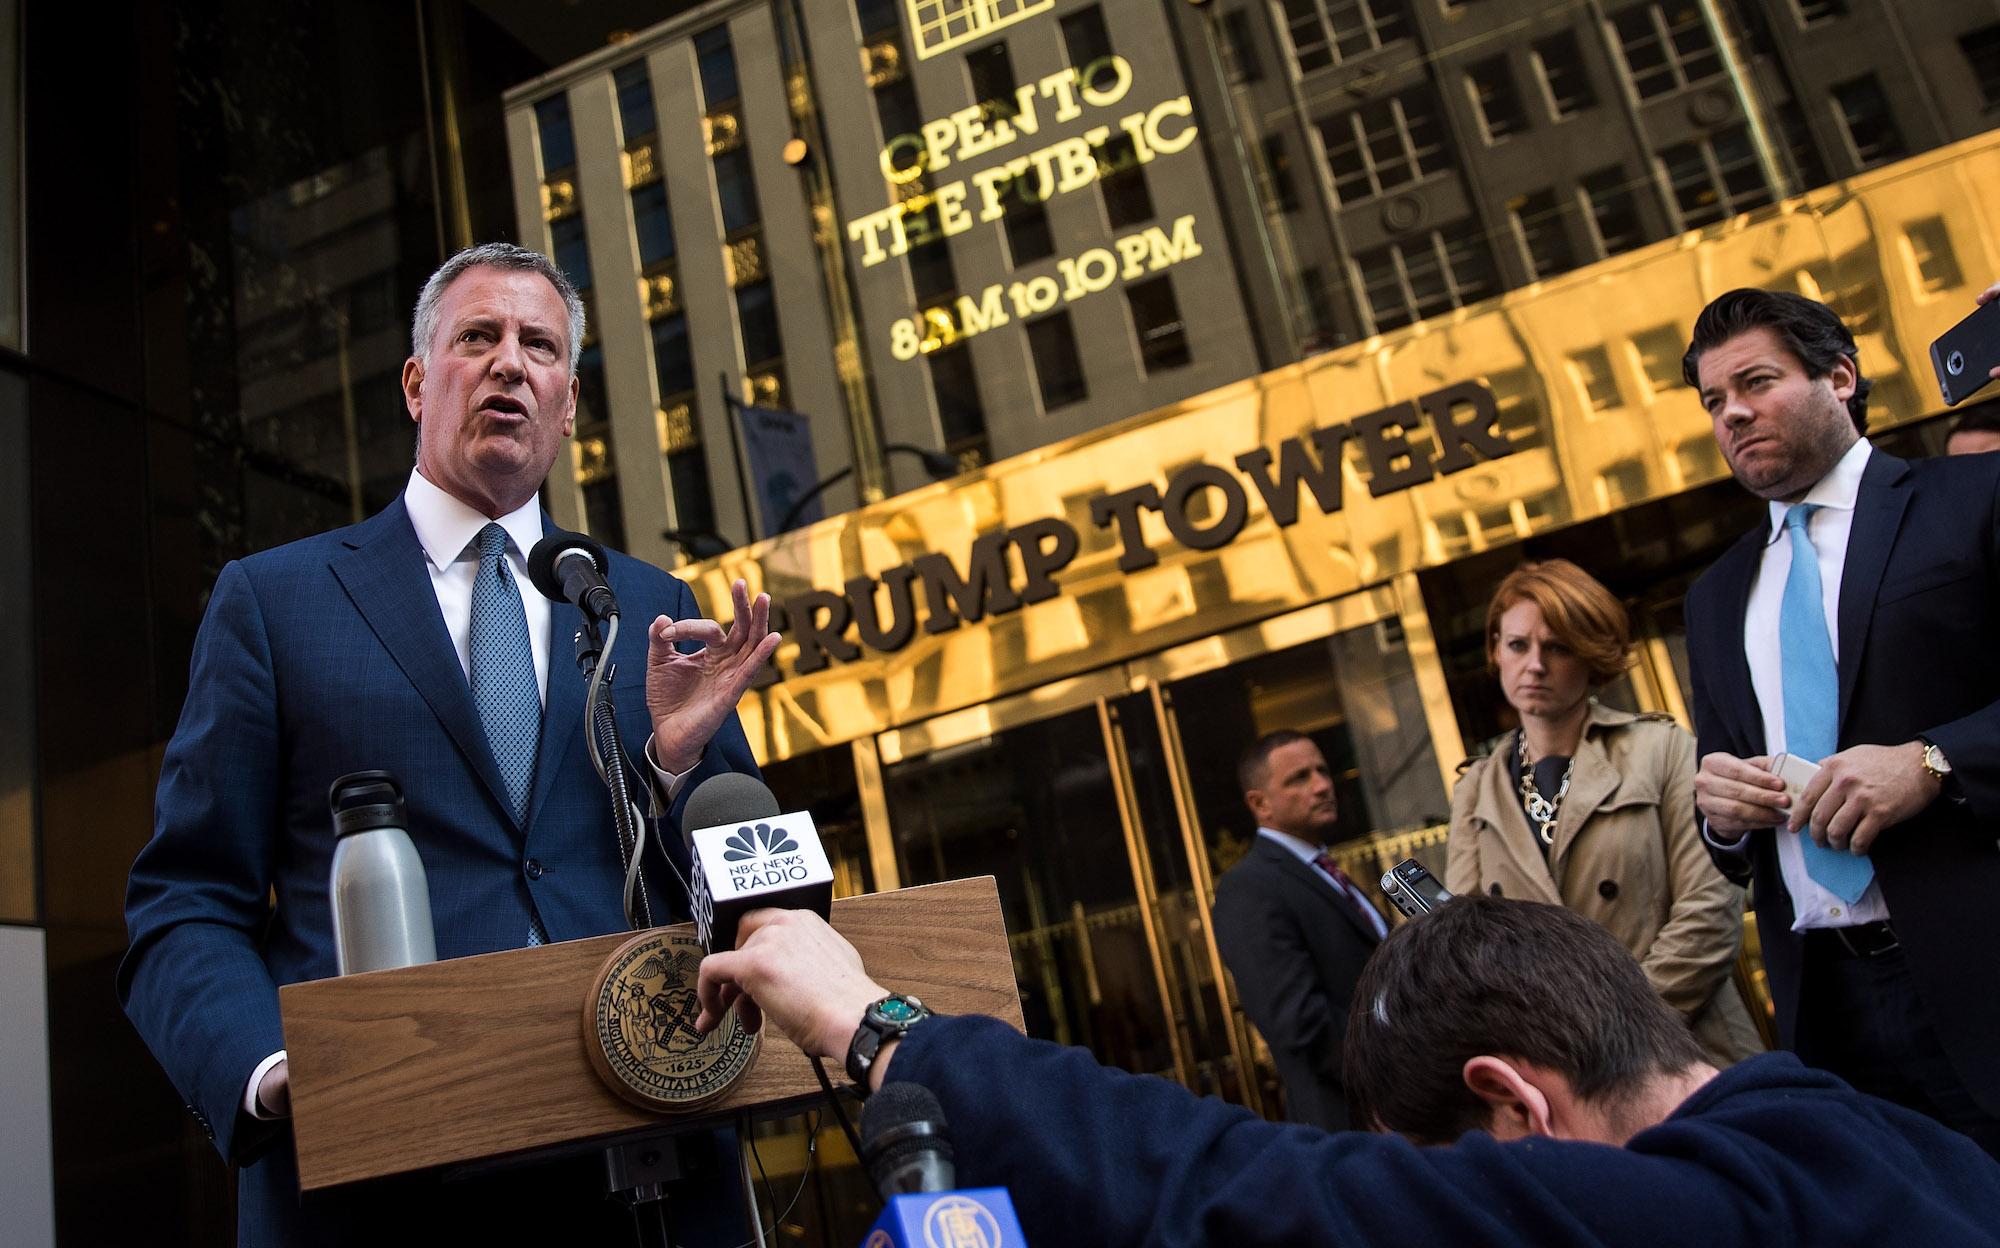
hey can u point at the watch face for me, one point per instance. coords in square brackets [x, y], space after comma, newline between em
[897, 1010]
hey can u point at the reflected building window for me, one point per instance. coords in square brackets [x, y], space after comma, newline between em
[1872, 135]
[1492, 85]
[1156, 315]
[1982, 53]
[1811, 11]
[757, 321]
[1280, 188]
[1085, 39]
[1326, 32]
[1564, 77]
[1614, 211]
[715, 61]
[1122, 180]
[1420, 277]
[961, 417]
[652, 224]
[1058, 365]
[1666, 46]
[1240, 62]
[1715, 178]
[1384, 145]
[1538, 221]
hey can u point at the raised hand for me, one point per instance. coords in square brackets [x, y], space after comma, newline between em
[689, 695]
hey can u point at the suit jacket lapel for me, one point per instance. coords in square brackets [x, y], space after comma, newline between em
[385, 573]
[1878, 514]
[1321, 884]
[562, 709]
[1736, 696]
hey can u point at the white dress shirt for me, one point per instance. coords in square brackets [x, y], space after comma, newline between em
[1828, 528]
[448, 530]
[1305, 851]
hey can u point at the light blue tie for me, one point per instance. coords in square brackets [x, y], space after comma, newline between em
[1812, 697]
[504, 689]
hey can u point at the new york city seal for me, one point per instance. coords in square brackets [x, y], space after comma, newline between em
[638, 1025]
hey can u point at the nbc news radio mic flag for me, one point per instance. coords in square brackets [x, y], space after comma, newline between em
[778, 445]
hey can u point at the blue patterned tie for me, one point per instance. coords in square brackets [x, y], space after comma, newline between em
[504, 689]
[1812, 698]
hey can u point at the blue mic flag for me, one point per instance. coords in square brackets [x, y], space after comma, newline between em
[980, 1217]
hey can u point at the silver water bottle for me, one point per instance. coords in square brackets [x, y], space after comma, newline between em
[381, 901]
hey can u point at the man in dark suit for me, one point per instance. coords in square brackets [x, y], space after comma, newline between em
[1293, 928]
[412, 642]
[1854, 630]
[1542, 1093]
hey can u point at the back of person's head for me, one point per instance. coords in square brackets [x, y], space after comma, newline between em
[1251, 769]
[1810, 330]
[1491, 976]
[1577, 608]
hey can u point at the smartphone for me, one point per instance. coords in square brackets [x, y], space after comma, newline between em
[1796, 772]
[1412, 889]
[1964, 354]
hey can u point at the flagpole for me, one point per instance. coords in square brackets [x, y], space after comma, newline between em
[730, 404]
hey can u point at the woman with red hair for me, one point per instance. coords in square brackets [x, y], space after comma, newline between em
[1592, 808]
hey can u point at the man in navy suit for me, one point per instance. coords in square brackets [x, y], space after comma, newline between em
[1542, 1093]
[1293, 928]
[1854, 630]
[412, 642]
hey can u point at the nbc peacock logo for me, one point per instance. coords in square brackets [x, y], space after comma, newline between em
[749, 844]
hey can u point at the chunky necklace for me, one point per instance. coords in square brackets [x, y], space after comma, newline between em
[1542, 810]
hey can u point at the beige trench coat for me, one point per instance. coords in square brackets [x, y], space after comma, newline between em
[1628, 854]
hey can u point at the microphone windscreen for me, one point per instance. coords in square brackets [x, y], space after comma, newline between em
[543, 558]
[903, 1131]
[731, 797]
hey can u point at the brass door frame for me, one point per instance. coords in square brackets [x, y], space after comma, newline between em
[1196, 847]
[1146, 887]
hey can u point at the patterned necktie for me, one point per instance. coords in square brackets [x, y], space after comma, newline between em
[503, 678]
[1812, 697]
[1324, 861]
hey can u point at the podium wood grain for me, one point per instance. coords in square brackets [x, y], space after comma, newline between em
[479, 1058]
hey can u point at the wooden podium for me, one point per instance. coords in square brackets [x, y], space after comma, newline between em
[477, 1059]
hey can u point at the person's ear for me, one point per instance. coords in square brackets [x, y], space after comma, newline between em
[1516, 1108]
[413, 388]
[1843, 377]
[1259, 805]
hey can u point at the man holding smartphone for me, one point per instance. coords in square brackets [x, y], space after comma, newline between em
[1853, 630]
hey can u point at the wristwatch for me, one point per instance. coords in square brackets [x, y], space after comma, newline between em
[888, 1019]
[1938, 767]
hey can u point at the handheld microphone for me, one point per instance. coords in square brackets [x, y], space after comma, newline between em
[907, 1149]
[905, 1143]
[747, 855]
[569, 567]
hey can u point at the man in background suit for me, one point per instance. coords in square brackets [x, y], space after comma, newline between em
[412, 642]
[1854, 629]
[1293, 928]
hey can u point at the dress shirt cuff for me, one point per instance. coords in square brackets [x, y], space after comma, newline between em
[666, 784]
[1741, 845]
[251, 1105]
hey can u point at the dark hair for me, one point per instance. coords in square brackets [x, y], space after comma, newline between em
[1979, 418]
[1809, 330]
[1578, 610]
[1504, 978]
[1255, 762]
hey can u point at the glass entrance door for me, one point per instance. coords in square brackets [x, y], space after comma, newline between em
[1040, 797]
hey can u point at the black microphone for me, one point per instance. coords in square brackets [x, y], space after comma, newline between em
[569, 567]
[746, 854]
[905, 1143]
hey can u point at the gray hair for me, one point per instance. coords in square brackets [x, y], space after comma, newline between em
[493, 256]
